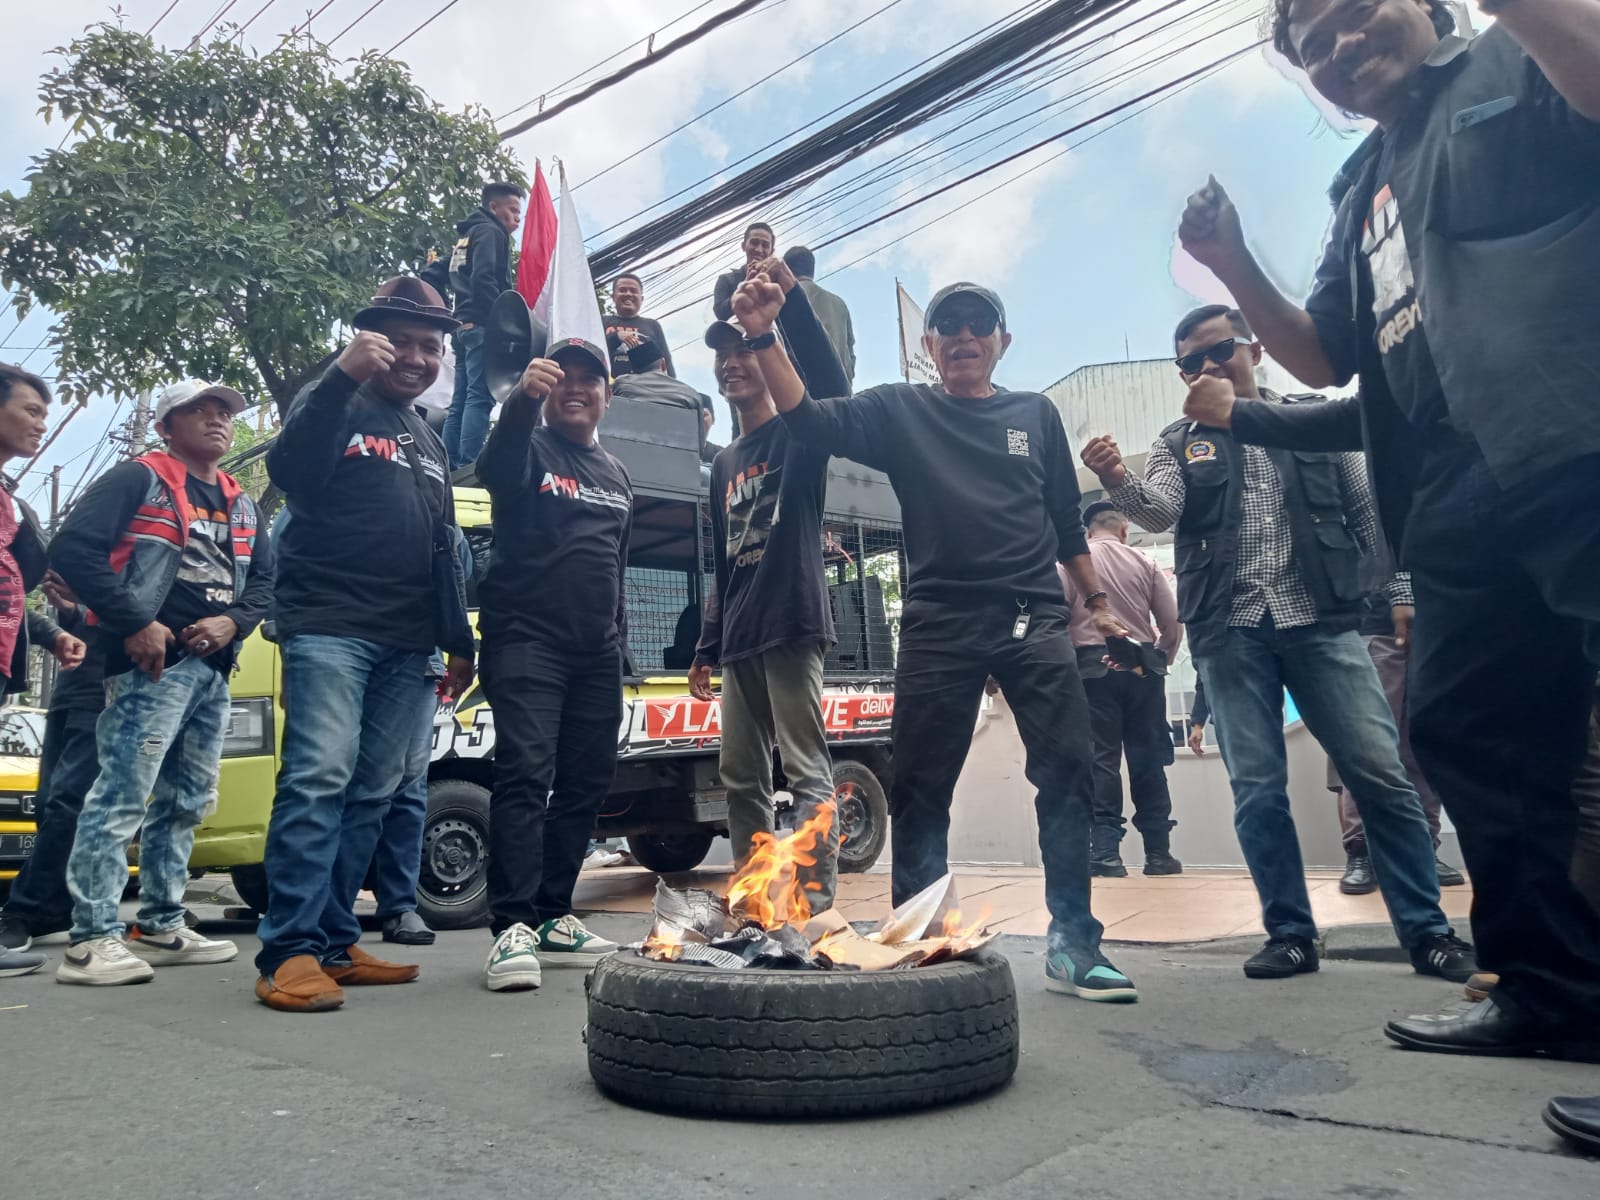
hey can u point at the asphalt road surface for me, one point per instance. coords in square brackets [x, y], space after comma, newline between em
[1211, 1086]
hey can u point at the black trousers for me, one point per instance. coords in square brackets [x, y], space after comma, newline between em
[68, 766]
[1504, 656]
[946, 654]
[1128, 715]
[557, 718]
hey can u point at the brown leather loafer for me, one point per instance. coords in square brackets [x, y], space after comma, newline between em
[299, 985]
[363, 970]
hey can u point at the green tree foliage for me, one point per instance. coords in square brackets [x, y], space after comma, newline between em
[223, 211]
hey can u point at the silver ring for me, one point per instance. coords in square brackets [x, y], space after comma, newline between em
[204, 644]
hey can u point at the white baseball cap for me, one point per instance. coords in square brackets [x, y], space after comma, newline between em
[188, 391]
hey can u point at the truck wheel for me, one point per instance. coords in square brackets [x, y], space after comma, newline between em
[863, 814]
[251, 884]
[669, 853]
[453, 888]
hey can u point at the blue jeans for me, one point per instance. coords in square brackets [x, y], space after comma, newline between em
[350, 709]
[1332, 680]
[68, 767]
[466, 428]
[159, 742]
[398, 862]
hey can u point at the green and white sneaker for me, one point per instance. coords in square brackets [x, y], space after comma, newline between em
[1087, 975]
[565, 942]
[513, 965]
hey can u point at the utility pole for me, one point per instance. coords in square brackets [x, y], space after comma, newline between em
[139, 426]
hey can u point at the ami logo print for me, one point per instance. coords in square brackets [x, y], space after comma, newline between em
[1394, 303]
[383, 445]
[1017, 442]
[567, 488]
[751, 504]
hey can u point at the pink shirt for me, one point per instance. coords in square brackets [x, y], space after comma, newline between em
[1135, 589]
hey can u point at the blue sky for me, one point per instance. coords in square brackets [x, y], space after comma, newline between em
[1082, 249]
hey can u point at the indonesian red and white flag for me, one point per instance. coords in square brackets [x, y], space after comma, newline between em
[538, 241]
[568, 305]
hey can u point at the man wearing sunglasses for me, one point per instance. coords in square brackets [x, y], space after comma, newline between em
[989, 498]
[1459, 285]
[1268, 551]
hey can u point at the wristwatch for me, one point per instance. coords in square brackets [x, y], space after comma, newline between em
[761, 341]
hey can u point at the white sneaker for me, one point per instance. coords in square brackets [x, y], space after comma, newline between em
[567, 942]
[174, 947]
[513, 964]
[601, 858]
[102, 962]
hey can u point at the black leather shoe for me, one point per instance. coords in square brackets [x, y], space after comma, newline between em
[1108, 867]
[1486, 1028]
[1161, 863]
[407, 929]
[1358, 878]
[1577, 1119]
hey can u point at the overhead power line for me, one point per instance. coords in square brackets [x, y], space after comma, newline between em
[441, 12]
[164, 14]
[365, 13]
[644, 41]
[254, 15]
[211, 22]
[633, 68]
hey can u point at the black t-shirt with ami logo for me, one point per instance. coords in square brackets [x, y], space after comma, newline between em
[356, 560]
[562, 518]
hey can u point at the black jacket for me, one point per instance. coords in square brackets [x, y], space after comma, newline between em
[727, 284]
[480, 266]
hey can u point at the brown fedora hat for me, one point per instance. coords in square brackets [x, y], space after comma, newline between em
[406, 296]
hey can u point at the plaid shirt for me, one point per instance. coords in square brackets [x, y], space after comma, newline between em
[1265, 578]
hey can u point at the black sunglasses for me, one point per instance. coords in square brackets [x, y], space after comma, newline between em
[981, 324]
[1193, 364]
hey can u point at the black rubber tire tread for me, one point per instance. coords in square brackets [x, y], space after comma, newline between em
[671, 854]
[859, 854]
[691, 1040]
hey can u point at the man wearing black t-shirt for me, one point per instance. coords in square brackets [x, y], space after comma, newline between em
[768, 621]
[990, 501]
[1459, 284]
[367, 484]
[626, 329]
[554, 631]
[167, 553]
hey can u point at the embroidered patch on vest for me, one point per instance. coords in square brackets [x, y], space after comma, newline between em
[1199, 451]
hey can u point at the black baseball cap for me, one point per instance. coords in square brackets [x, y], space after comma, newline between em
[568, 345]
[1098, 507]
[720, 333]
[962, 289]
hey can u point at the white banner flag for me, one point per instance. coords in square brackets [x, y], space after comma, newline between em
[915, 364]
[568, 302]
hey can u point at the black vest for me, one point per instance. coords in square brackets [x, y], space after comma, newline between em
[1206, 537]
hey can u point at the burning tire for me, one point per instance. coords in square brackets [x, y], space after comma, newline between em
[687, 1039]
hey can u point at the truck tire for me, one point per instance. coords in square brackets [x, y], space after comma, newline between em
[863, 814]
[669, 853]
[251, 884]
[685, 1039]
[453, 888]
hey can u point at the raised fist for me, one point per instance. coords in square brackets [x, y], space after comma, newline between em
[1209, 229]
[757, 304]
[1102, 456]
[1210, 402]
[775, 269]
[538, 377]
[367, 355]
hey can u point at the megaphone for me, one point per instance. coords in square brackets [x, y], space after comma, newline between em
[513, 337]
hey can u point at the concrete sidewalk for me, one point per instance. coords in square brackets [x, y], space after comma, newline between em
[1197, 906]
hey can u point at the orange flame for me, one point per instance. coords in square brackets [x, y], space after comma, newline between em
[665, 945]
[767, 889]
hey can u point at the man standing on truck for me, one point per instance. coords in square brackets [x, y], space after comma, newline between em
[990, 500]
[554, 632]
[480, 269]
[169, 556]
[368, 489]
[768, 622]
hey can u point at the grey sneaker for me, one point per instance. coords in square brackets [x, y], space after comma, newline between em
[19, 962]
[566, 942]
[174, 947]
[102, 962]
[513, 964]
